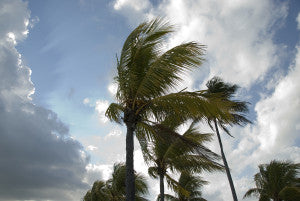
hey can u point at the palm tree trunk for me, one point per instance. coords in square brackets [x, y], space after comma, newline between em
[130, 187]
[225, 164]
[162, 187]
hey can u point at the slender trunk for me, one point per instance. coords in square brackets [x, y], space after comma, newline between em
[130, 187]
[162, 187]
[225, 164]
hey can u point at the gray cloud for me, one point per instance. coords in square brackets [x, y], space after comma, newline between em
[39, 160]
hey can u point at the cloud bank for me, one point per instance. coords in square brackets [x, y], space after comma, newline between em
[38, 158]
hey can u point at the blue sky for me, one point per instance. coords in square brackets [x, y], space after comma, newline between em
[63, 83]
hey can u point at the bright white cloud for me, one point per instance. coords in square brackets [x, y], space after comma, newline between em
[278, 114]
[92, 147]
[137, 5]
[112, 88]
[86, 101]
[101, 107]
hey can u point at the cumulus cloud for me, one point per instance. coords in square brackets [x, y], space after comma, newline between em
[86, 101]
[100, 108]
[38, 158]
[236, 43]
[112, 88]
[134, 10]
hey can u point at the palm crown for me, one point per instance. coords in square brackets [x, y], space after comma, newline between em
[145, 76]
[114, 188]
[272, 178]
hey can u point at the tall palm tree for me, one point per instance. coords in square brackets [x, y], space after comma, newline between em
[192, 184]
[186, 153]
[272, 178]
[145, 75]
[114, 188]
[237, 110]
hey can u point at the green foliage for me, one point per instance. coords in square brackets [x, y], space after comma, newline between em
[190, 183]
[237, 109]
[170, 152]
[290, 193]
[114, 188]
[272, 178]
[146, 74]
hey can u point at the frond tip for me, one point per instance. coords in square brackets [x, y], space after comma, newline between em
[114, 112]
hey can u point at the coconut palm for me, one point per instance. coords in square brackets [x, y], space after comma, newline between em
[169, 154]
[192, 184]
[273, 178]
[114, 188]
[145, 76]
[238, 109]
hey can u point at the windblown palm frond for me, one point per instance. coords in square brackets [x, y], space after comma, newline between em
[189, 183]
[173, 152]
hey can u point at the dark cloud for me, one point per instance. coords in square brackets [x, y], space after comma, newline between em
[39, 160]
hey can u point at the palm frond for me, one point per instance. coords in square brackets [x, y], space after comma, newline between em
[252, 192]
[164, 72]
[114, 112]
[173, 184]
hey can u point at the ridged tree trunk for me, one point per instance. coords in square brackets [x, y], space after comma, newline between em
[130, 186]
[225, 164]
[162, 187]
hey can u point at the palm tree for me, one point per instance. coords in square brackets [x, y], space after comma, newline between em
[181, 153]
[237, 110]
[190, 183]
[273, 178]
[145, 75]
[114, 188]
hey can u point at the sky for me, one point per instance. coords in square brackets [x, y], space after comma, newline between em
[57, 63]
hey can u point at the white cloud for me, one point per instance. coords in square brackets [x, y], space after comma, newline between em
[86, 101]
[236, 43]
[135, 10]
[137, 5]
[101, 107]
[92, 147]
[278, 115]
[97, 172]
[112, 88]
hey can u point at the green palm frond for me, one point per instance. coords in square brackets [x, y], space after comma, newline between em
[169, 197]
[252, 192]
[114, 112]
[186, 105]
[175, 185]
[164, 72]
[139, 50]
[153, 172]
[195, 163]
[237, 109]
